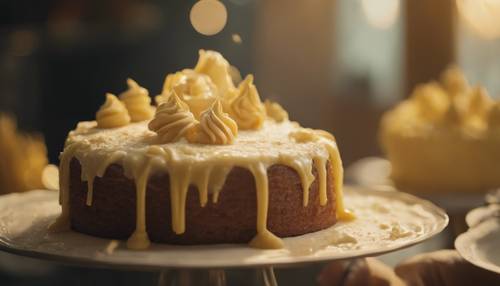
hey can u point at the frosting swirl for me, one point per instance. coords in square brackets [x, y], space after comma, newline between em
[247, 109]
[275, 111]
[216, 67]
[216, 127]
[195, 89]
[137, 102]
[112, 113]
[172, 120]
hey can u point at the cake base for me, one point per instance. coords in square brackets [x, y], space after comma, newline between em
[232, 219]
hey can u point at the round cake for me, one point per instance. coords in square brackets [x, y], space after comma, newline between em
[444, 138]
[210, 164]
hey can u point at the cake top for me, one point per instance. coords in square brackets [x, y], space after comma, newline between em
[450, 106]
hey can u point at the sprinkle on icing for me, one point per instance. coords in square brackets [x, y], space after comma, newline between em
[216, 126]
[172, 120]
[247, 109]
[137, 102]
[275, 111]
[112, 113]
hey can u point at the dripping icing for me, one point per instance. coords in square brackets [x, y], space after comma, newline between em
[188, 165]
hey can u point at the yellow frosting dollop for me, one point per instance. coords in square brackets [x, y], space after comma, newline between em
[112, 113]
[195, 89]
[275, 111]
[431, 100]
[247, 109]
[216, 127]
[454, 80]
[494, 116]
[217, 68]
[172, 120]
[137, 102]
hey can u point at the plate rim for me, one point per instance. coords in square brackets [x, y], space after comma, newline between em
[463, 245]
[442, 220]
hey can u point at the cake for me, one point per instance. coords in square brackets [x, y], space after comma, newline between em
[211, 163]
[444, 138]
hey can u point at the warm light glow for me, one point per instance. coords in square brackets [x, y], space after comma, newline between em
[380, 14]
[483, 16]
[208, 17]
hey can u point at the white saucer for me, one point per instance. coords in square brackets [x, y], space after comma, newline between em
[480, 245]
[374, 172]
[386, 221]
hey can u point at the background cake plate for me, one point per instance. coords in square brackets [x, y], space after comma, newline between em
[386, 221]
[480, 244]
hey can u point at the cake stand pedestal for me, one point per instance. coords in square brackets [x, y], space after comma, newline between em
[385, 222]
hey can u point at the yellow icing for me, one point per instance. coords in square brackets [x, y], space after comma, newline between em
[172, 120]
[137, 102]
[216, 126]
[442, 137]
[216, 67]
[196, 89]
[204, 166]
[247, 109]
[112, 113]
[275, 111]
[203, 106]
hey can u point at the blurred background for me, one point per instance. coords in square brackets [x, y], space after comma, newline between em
[336, 65]
[333, 64]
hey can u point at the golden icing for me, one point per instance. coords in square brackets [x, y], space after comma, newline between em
[172, 120]
[216, 67]
[137, 102]
[204, 166]
[275, 111]
[196, 89]
[216, 127]
[247, 109]
[213, 146]
[112, 113]
[443, 123]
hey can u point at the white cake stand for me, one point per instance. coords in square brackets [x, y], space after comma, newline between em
[386, 221]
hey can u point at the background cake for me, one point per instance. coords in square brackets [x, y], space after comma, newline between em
[444, 137]
[213, 165]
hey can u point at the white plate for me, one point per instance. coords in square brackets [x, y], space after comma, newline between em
[480, 245]
[386, 221]
[374, 172]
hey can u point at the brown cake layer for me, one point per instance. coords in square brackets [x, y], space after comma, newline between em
[231, 220]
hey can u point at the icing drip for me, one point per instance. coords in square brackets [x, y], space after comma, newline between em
[216, 126]
[96, 166]
[217, 68]
[137, 102]
[62, 222]
[275, 111]
[264, 238]
[112, 114]
[172, 120]
[305, 135]
[247, 109]
[204, 166]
